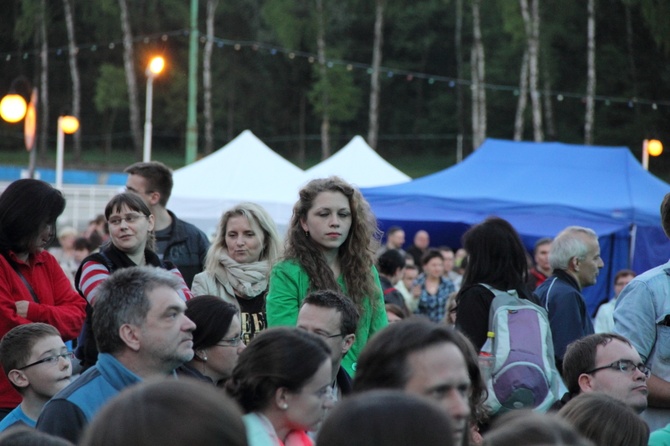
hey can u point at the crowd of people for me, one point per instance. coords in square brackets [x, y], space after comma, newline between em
[140, 331]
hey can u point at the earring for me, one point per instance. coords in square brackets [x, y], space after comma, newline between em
[284, 406]
[306, 233]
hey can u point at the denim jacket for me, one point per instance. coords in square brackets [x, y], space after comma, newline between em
[640, 315]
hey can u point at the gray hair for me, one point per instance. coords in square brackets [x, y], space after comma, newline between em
[123, 299]
[569, 243]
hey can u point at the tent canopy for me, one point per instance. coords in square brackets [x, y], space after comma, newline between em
[540, 188]
[358, 164]
[245, 169]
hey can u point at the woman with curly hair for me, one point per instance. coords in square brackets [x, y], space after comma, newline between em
[331, 245]
[238, 264]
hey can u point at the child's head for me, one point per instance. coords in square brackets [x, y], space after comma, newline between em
[34, 356]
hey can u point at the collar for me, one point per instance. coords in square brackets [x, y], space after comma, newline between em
[567, 277]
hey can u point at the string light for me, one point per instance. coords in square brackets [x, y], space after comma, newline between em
[408, 75]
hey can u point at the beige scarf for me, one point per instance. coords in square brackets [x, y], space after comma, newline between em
[245, 280]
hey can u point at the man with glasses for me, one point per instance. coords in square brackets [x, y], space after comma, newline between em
[334, 318]
[607, 363]
[38, 365]
[141, 330]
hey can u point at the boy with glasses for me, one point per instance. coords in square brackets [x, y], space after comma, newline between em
[38, 365]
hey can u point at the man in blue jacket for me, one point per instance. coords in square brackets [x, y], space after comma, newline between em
[141, 331]
[575, 259]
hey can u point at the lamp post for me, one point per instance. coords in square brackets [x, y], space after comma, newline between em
[154, 68]
[652, 147]
[13, 108]
[69, 125]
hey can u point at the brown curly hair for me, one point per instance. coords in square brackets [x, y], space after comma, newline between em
[356, 254]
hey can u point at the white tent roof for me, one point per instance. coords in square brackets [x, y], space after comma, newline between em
[358, 164]
[245, 169]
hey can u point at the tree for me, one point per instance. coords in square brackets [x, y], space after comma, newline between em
[591, 73]
[478, 79]
[531, 21]
[375, 87]
[131, 80]
[74, 73]
[111, 96]
[207, 77]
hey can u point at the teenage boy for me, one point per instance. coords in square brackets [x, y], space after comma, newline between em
[38, 365]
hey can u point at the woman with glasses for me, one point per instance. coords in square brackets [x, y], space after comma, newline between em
[33, 286]
[217, 339]
[282, 381]
[238, 263]
[131, 226]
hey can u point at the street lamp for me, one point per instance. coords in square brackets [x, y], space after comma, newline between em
[13, 108]
[652, 147]
[156, 65]
[69, 125]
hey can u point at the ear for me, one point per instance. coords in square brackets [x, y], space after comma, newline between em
[574, 262]
[152, 220]
[347, 342]
[281, 398]
[585, 382]
[201, 355]
[154, 198]
[130, 335]
[18, 378]
[303, 225]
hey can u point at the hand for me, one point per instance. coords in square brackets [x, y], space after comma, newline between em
[22, 308]
[416, 291]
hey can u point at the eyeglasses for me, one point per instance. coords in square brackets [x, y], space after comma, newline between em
[52, 360]
[624, 365]
[232, 342]
[129, 218]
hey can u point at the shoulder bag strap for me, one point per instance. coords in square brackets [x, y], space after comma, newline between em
[23, 279]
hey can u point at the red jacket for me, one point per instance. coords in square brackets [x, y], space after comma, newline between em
[59, 304]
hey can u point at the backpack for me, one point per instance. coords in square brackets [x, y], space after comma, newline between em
[524, 375]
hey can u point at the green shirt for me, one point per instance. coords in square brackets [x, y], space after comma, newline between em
[289, 284]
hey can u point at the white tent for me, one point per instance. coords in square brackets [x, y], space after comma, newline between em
[245, 169]
[358, 164]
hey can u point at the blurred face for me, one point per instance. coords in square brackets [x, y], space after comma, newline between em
[629, 387]
[448, 257]
[421, 240]
[138, 185]
[48, 378]
[307, 407]
[434, 268]
[329, 220]
[130, 229]
[396, 240]
[439, 373]
[392, 317]
[325, 322]
[408, 276]
[166, 336]
[222, 357]
[243, 240]
[44, 237]
[621, 282]
[587, 269]
[542, 257]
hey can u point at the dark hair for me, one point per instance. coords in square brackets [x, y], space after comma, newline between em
[158, 178]
[22, 435]
[429, 255]
[394, 309]
[605, 420]
[623, 273]
[383, 362]
[278, 357]
[123, 299]
[81, 243]
[17, 344]
[496, 256]
[135, 203]
[389, 262]
[25, 207]
[665, 214]
[356, 254]
[478, 392]
[528, 428]
[386, 417]
[580, 357]
[167, 412]
[341, 303]
[212, 317]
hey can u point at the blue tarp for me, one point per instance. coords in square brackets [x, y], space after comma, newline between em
[540, 188]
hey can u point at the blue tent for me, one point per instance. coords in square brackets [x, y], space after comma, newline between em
[540, 188]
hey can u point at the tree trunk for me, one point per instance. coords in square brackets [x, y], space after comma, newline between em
[129, 66]
[519, 119]
[591, 73]
[321, 53]
[74, 74]
[548, 106]
[479, 78]
[531, 21]
[44, 79]
[375, 87]
[302, 121]
[460, 111]
[207, 78]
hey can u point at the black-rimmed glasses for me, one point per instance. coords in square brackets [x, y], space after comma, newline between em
[624, 365]
[53, 360]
